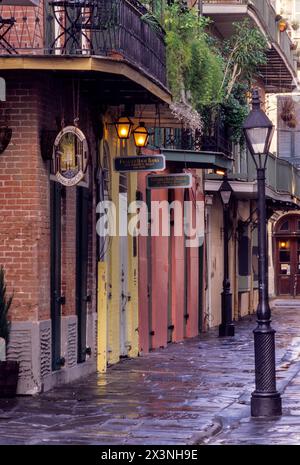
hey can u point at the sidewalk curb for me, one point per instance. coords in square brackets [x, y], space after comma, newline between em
[210, 431]
[221, 421]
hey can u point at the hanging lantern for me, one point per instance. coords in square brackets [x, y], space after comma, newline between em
[220, 172]
[141, 135]
[123, 127]
[282, 25]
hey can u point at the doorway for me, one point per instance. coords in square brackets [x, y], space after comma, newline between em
[82, 297]
[287, 256]
[56, 292]
[123, 241]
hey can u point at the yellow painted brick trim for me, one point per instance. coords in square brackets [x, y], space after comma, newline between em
[102, 318]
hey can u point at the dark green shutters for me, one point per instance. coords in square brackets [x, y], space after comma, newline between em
[56, 297]
[82, 297]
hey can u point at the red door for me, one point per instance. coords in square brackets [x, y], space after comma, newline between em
[287, 255]
[284, 267]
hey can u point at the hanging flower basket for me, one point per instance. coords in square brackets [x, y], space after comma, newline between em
[292, 123]
[287, 110]
[5, 137]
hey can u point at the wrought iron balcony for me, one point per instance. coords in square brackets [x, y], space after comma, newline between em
[282, 180]
[184, 139]
[217, 139]
[281, 176]
[281, 69]
[111, 28]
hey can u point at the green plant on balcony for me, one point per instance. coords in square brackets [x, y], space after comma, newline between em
[244, 52]
[195, 66]
[209, 76]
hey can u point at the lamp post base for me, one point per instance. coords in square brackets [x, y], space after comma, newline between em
[266, 405]
[226, 330]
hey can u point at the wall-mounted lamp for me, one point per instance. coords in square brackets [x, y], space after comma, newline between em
[282, 25]
[141, 135]
[123, 127]
[220, 172]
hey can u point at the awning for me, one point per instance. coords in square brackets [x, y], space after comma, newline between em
[200, 160]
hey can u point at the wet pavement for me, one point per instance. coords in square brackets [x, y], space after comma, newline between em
[193, 392]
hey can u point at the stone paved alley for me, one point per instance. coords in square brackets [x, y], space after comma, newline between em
[194, 392]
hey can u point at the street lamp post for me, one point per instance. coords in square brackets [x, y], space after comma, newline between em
[226, 328]
[265, 400]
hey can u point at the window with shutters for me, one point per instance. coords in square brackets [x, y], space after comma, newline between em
[288, 143]
[285, 143]
[297, 16]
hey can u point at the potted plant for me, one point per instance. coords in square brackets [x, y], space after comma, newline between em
[9, 370]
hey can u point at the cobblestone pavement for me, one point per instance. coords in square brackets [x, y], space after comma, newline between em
[179, 395]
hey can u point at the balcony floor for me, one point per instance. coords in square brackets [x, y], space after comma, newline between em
[92, 65]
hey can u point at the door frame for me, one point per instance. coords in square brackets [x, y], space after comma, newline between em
[57, 299]
[82, 252]
[292, 234]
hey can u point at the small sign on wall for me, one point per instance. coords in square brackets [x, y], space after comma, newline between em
[170, 181]
[140, 163]
[70, 156]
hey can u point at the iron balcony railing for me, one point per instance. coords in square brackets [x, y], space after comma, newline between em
[185, 139]
[267, 14]
[114, 28]
[281, 176]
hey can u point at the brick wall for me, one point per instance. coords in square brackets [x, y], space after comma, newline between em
[27, 31]
[25, 199]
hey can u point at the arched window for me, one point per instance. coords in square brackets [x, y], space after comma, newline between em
[284, 226]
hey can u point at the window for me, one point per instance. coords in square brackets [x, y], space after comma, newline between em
[296, 17]
[285, 143]
[284, 226]
[244, 257]
[297, 10]
[289, 145]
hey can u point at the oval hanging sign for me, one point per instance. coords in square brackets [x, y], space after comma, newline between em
[70, 156]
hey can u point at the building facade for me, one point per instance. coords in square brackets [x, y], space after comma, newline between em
[83, 300]
[279, 75]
